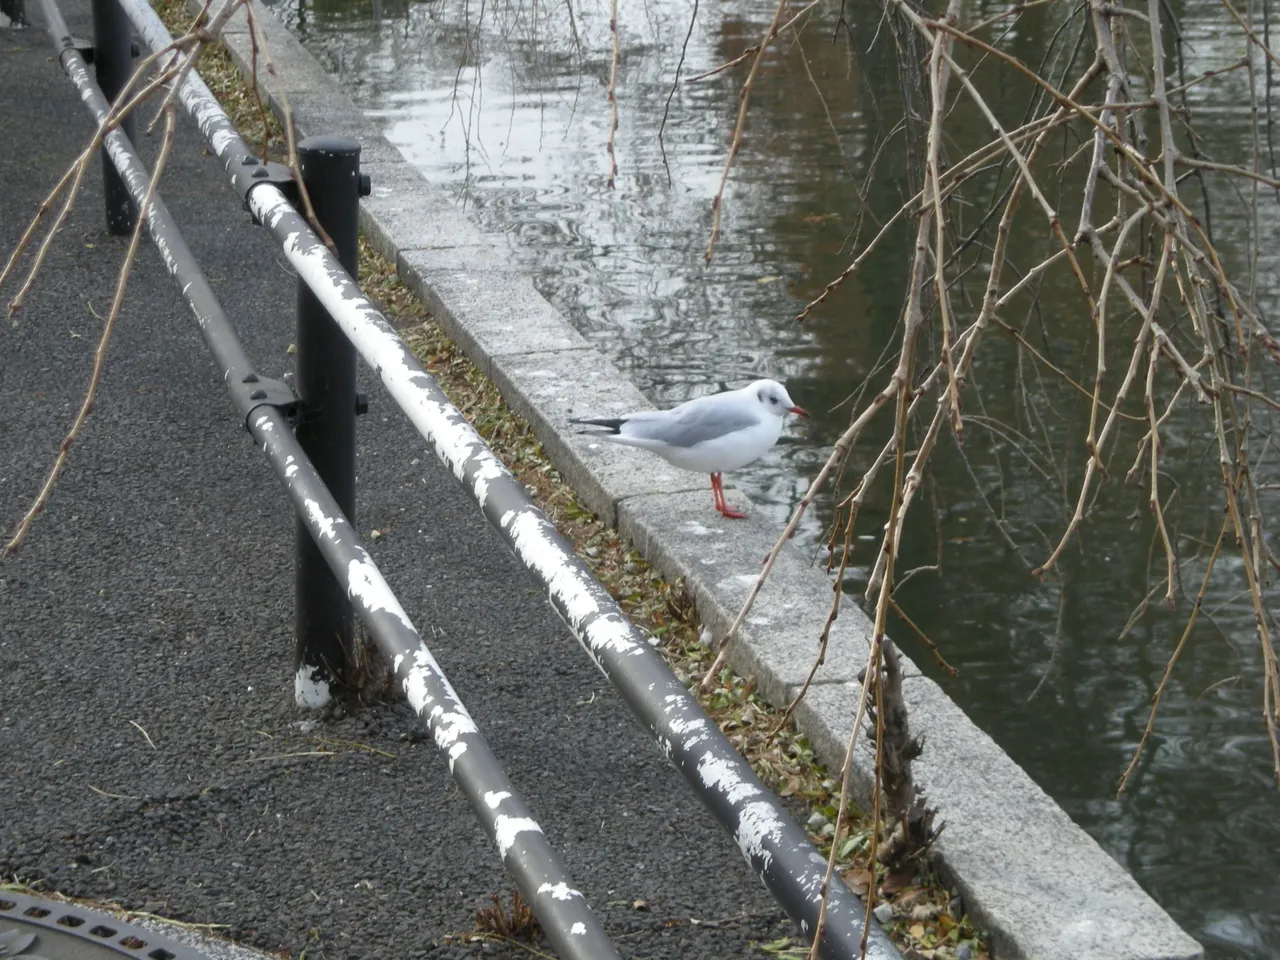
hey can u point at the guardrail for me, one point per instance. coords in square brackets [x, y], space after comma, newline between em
[316, 467]
[267, 406]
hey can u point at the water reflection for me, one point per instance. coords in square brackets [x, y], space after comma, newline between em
[505, 104]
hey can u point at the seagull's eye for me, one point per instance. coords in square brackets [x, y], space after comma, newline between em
[774, 401]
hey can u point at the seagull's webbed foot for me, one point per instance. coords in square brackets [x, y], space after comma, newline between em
[717, 491]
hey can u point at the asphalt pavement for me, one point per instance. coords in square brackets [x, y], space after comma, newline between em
[150, 752]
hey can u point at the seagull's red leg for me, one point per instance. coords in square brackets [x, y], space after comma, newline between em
[717, 485]
[715, 492]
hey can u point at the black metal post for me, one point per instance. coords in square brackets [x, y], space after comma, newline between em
[326, 387]
[16, 11]
[113, 65]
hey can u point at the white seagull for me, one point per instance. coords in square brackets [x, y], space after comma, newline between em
[711, 434]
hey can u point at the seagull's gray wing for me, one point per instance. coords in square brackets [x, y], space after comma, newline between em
[689, 424]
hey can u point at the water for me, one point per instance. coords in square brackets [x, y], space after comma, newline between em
[505, 105]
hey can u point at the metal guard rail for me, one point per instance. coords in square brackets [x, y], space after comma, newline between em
[525, 850]
[776, 848]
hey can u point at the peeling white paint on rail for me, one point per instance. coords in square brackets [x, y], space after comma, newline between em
[426, 688]
[451, 724]
[195, 95]
[365, 583]
[759, 826]
[506, 829]
[484, 476]
[535, 543]
[560, 891]
[718, 774]
[676, 703]
[324, 525]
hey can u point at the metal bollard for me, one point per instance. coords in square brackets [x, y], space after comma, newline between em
[327, 406]
[15, 11]
[113, 65]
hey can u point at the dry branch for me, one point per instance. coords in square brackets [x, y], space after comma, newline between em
[24, 525]
[1175, 336]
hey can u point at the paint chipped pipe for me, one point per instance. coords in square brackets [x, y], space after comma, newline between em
[561, 910]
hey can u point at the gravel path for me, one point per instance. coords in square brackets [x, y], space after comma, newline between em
[149, 750]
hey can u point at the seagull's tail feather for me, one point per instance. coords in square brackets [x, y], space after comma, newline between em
[612, 425]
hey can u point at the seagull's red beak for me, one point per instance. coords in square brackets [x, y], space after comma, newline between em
[798, 411]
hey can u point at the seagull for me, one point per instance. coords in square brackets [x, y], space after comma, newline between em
[713, 434]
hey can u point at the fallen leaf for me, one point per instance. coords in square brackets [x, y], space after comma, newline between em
[912, 896]
[925, 911]
[896, 882]
[859, 881]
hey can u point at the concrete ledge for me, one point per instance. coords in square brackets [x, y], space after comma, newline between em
[400, 219]
[1041, 885]
[720, 560]
[490, 314]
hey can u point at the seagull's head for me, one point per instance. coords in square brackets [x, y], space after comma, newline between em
[773, 397]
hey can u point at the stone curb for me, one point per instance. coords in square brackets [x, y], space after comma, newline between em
[214, 947]
[1041, 886]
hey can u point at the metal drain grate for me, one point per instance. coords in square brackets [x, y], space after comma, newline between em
[33, 928]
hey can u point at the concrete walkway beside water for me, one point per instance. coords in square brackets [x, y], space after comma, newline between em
[150, 753]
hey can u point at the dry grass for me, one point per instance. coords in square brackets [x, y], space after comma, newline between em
[518, 923]
[924, 919]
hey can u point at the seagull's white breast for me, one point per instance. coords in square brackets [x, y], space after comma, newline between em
[727, 452]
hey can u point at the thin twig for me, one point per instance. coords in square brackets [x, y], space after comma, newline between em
[144, 211]
[1173, 659]
[744, 98]
[613, 89]
[666, 109]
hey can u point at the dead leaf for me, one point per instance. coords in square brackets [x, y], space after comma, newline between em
[912, 896]
[896, 882]
[859, 881]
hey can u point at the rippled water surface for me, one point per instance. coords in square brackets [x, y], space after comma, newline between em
[506, 106]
